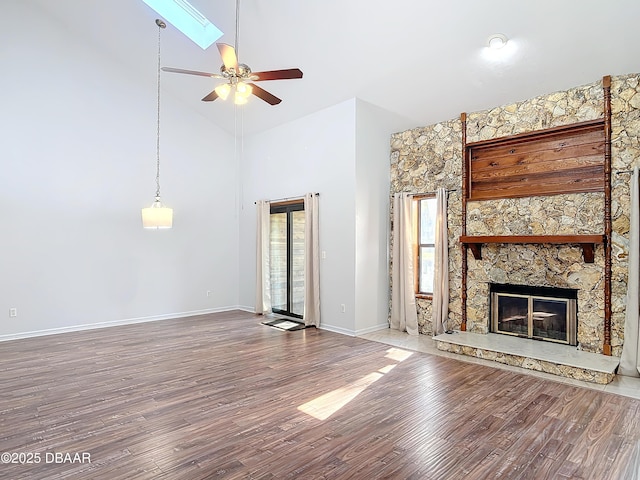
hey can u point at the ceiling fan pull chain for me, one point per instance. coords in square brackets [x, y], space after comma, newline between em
[237, 26]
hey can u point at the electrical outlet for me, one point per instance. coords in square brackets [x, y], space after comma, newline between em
[13, 312]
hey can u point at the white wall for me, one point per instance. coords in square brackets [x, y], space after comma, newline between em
[313, 154]
[374, 127]
[77, 162]
[343, 153]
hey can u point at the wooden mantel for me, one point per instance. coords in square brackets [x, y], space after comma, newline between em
[587, 242]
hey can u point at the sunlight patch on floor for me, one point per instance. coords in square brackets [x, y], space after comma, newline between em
[324, 406]
[398, 355]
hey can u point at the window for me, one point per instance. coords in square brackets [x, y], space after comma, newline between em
[287, 258]
[184, 16]
[424, 216]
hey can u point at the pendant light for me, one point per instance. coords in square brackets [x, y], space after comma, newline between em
[157, 216]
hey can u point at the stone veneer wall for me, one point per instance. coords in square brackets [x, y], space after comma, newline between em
[423, 159]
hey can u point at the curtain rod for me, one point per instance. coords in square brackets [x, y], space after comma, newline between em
[429, 193]
[300, 197]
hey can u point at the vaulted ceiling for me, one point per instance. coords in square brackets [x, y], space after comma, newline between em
[421, 59]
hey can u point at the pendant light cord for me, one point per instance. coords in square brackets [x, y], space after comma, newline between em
[161, 25]
[237, 26]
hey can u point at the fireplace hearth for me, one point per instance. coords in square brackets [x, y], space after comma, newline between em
[541, 313]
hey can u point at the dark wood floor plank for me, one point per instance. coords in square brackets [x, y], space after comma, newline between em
[221, 396]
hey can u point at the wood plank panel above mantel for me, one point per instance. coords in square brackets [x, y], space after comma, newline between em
[568, 159]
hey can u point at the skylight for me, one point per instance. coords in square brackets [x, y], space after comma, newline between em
[186, 18]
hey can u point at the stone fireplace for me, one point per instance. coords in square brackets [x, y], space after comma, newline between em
[425, 158]
[540, 313]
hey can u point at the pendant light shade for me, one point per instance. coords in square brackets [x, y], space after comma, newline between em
[158, 216]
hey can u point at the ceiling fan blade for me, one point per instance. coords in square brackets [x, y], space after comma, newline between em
[277, 74]
[264, 95]
[191, 72]
[211, 97]
[228, 54]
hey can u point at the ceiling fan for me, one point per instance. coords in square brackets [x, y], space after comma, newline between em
[238, 76]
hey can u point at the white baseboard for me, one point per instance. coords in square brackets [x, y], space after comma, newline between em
[332, 328]
[115, 323]
[375, 328]
[170, 316]
[245, 309]
[354, 333]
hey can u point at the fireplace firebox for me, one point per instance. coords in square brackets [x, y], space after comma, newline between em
[541, 313]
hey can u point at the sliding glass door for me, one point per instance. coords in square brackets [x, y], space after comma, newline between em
[287, 259]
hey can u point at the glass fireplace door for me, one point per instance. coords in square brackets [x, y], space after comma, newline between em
[543, 318]
[549, 319]
[512, 314]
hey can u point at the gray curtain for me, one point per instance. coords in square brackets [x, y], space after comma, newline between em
[311, 314]
[629, 360]
[263, 283]
[404, 316]
[441, 270]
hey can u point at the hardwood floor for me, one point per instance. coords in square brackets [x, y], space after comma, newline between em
[221, 396]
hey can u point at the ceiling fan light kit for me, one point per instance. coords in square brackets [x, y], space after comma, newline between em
[243, 91]
[157, 216]
[238, 75]
[223, 90]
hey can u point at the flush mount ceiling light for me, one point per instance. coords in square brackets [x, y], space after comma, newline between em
[497, 41]
[158, 216]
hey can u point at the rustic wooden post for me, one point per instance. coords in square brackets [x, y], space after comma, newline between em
[606, 85]
[463, 246]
